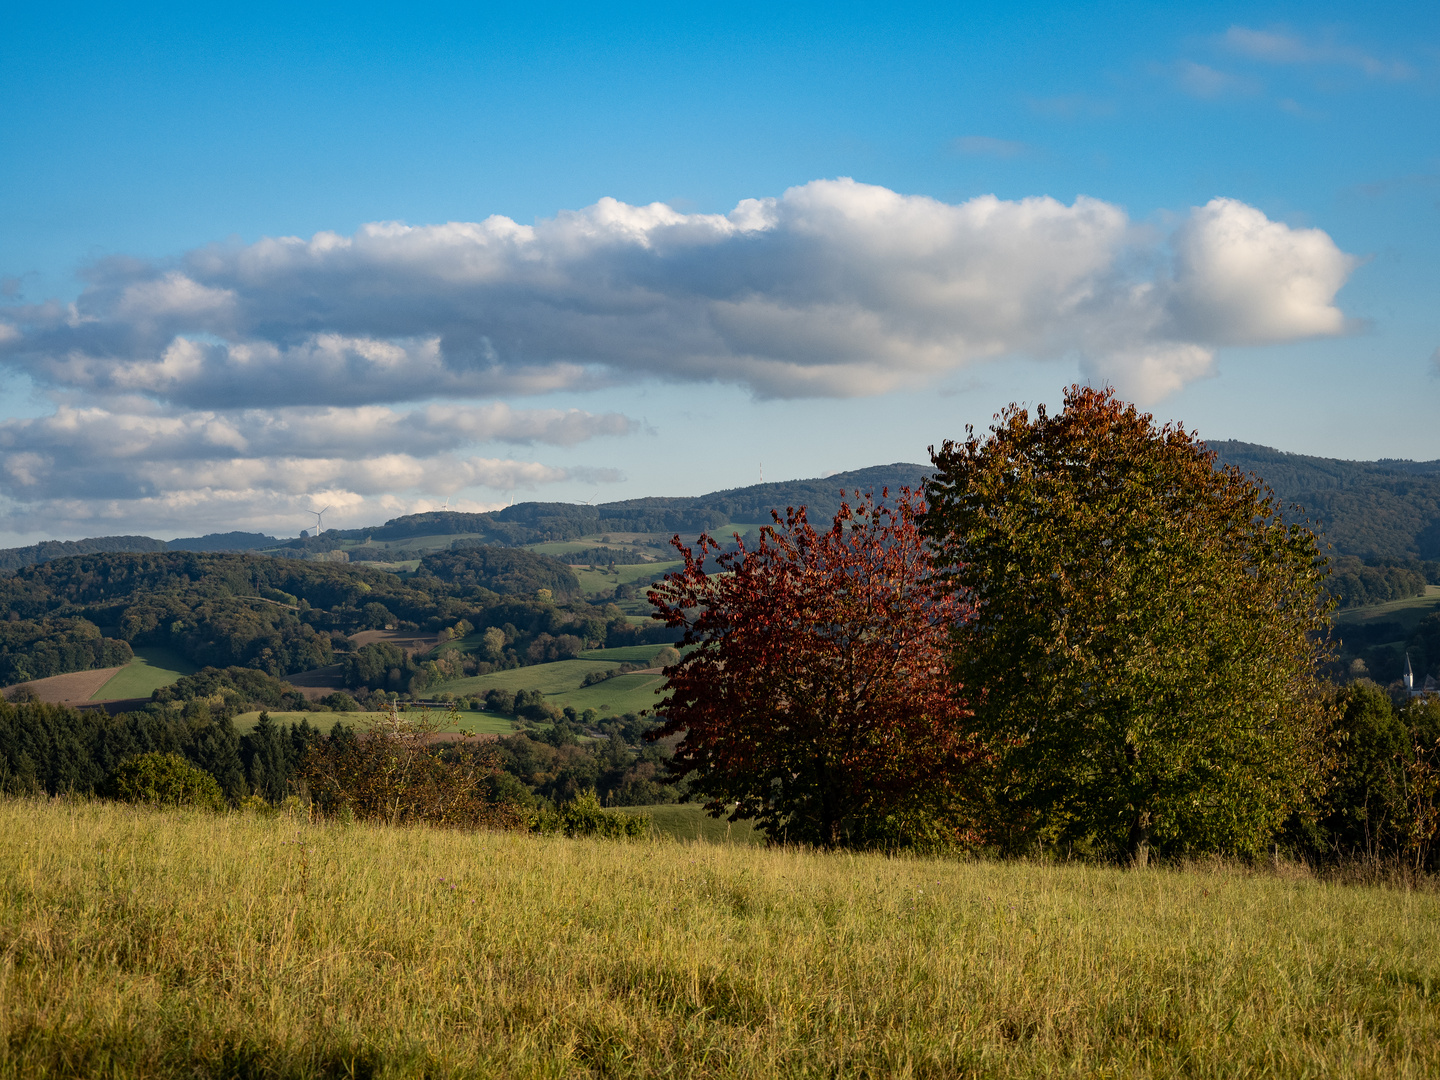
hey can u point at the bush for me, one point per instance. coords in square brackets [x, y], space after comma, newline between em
[166, 780]
[584, 816]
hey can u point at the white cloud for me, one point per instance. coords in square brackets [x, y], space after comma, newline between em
[1203, 81]
[1242, 279]
[1279, 47]
[129, 465]
[834, 288]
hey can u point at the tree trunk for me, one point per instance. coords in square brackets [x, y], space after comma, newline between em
[1140, 840]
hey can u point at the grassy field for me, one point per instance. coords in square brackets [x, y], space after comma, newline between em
[152, 668]
[143, 944]
[626, 654]
[465, 722]
[1406, 614]
[596, 582]
[687, 821]
[613, 697]
[551, 678]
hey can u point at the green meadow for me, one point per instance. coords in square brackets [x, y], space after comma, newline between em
[1406, 614]
[596, 582]
[153, 667]
[462, 722]
[560, 681]
[141, 943]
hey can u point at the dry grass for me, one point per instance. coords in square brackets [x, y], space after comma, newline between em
[136, 943]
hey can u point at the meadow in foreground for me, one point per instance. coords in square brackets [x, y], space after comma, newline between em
[137, 943]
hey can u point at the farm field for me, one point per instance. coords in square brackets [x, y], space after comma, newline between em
[552, 678]
[1406, 614]
[596, 582]
[71, 688]
[147, 943]
[631, 693]
[625, 654]
[560, 683]
[153, 667]
[465, 723]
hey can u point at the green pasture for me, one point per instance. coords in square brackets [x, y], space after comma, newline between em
[622, 694]
[626, 654]
[1406, 614]
[549, 679]
[595, 582]
[688, 821]
[154, 666]
[461, 722]
[560, 683]
[558, 549]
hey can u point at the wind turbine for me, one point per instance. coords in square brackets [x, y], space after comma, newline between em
[319, 519]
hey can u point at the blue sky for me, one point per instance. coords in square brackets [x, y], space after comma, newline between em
[879, 225]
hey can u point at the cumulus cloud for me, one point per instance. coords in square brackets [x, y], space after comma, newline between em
[143, 466]
[834, 288]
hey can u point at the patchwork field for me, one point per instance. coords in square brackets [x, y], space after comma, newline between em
[153, 667]
[144, 943]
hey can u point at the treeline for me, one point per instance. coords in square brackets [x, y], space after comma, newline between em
[39, 648]
[12, 559]
[1355, 582]
[56, 750]
[282, 616]
[1381, 801]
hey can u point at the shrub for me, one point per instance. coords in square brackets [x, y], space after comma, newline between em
[584, 816]
[166, 780]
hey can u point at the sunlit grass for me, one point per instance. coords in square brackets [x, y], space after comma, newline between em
[153, 667]
[140, 943]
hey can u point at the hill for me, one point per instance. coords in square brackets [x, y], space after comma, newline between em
[1385, 509]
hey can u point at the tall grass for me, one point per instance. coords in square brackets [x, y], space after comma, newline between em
[144, 943]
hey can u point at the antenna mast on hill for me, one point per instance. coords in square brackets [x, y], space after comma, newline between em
[762, 472]
[319, 519]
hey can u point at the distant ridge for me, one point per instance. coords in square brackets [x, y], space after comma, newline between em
[230, 541]
[13, 558]
[1387, 509]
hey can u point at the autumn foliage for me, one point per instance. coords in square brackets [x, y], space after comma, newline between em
[814, 694]
[394, 774]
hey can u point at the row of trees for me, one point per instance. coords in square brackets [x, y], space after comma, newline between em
[1083, 635]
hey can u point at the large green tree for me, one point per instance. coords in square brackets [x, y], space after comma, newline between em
[1145, 645]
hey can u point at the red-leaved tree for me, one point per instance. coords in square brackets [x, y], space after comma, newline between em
[815, 694]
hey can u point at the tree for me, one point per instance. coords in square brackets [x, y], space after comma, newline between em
[815, 695]
[1145, 646]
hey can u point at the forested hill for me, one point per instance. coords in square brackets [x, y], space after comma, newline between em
[1385, 509]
